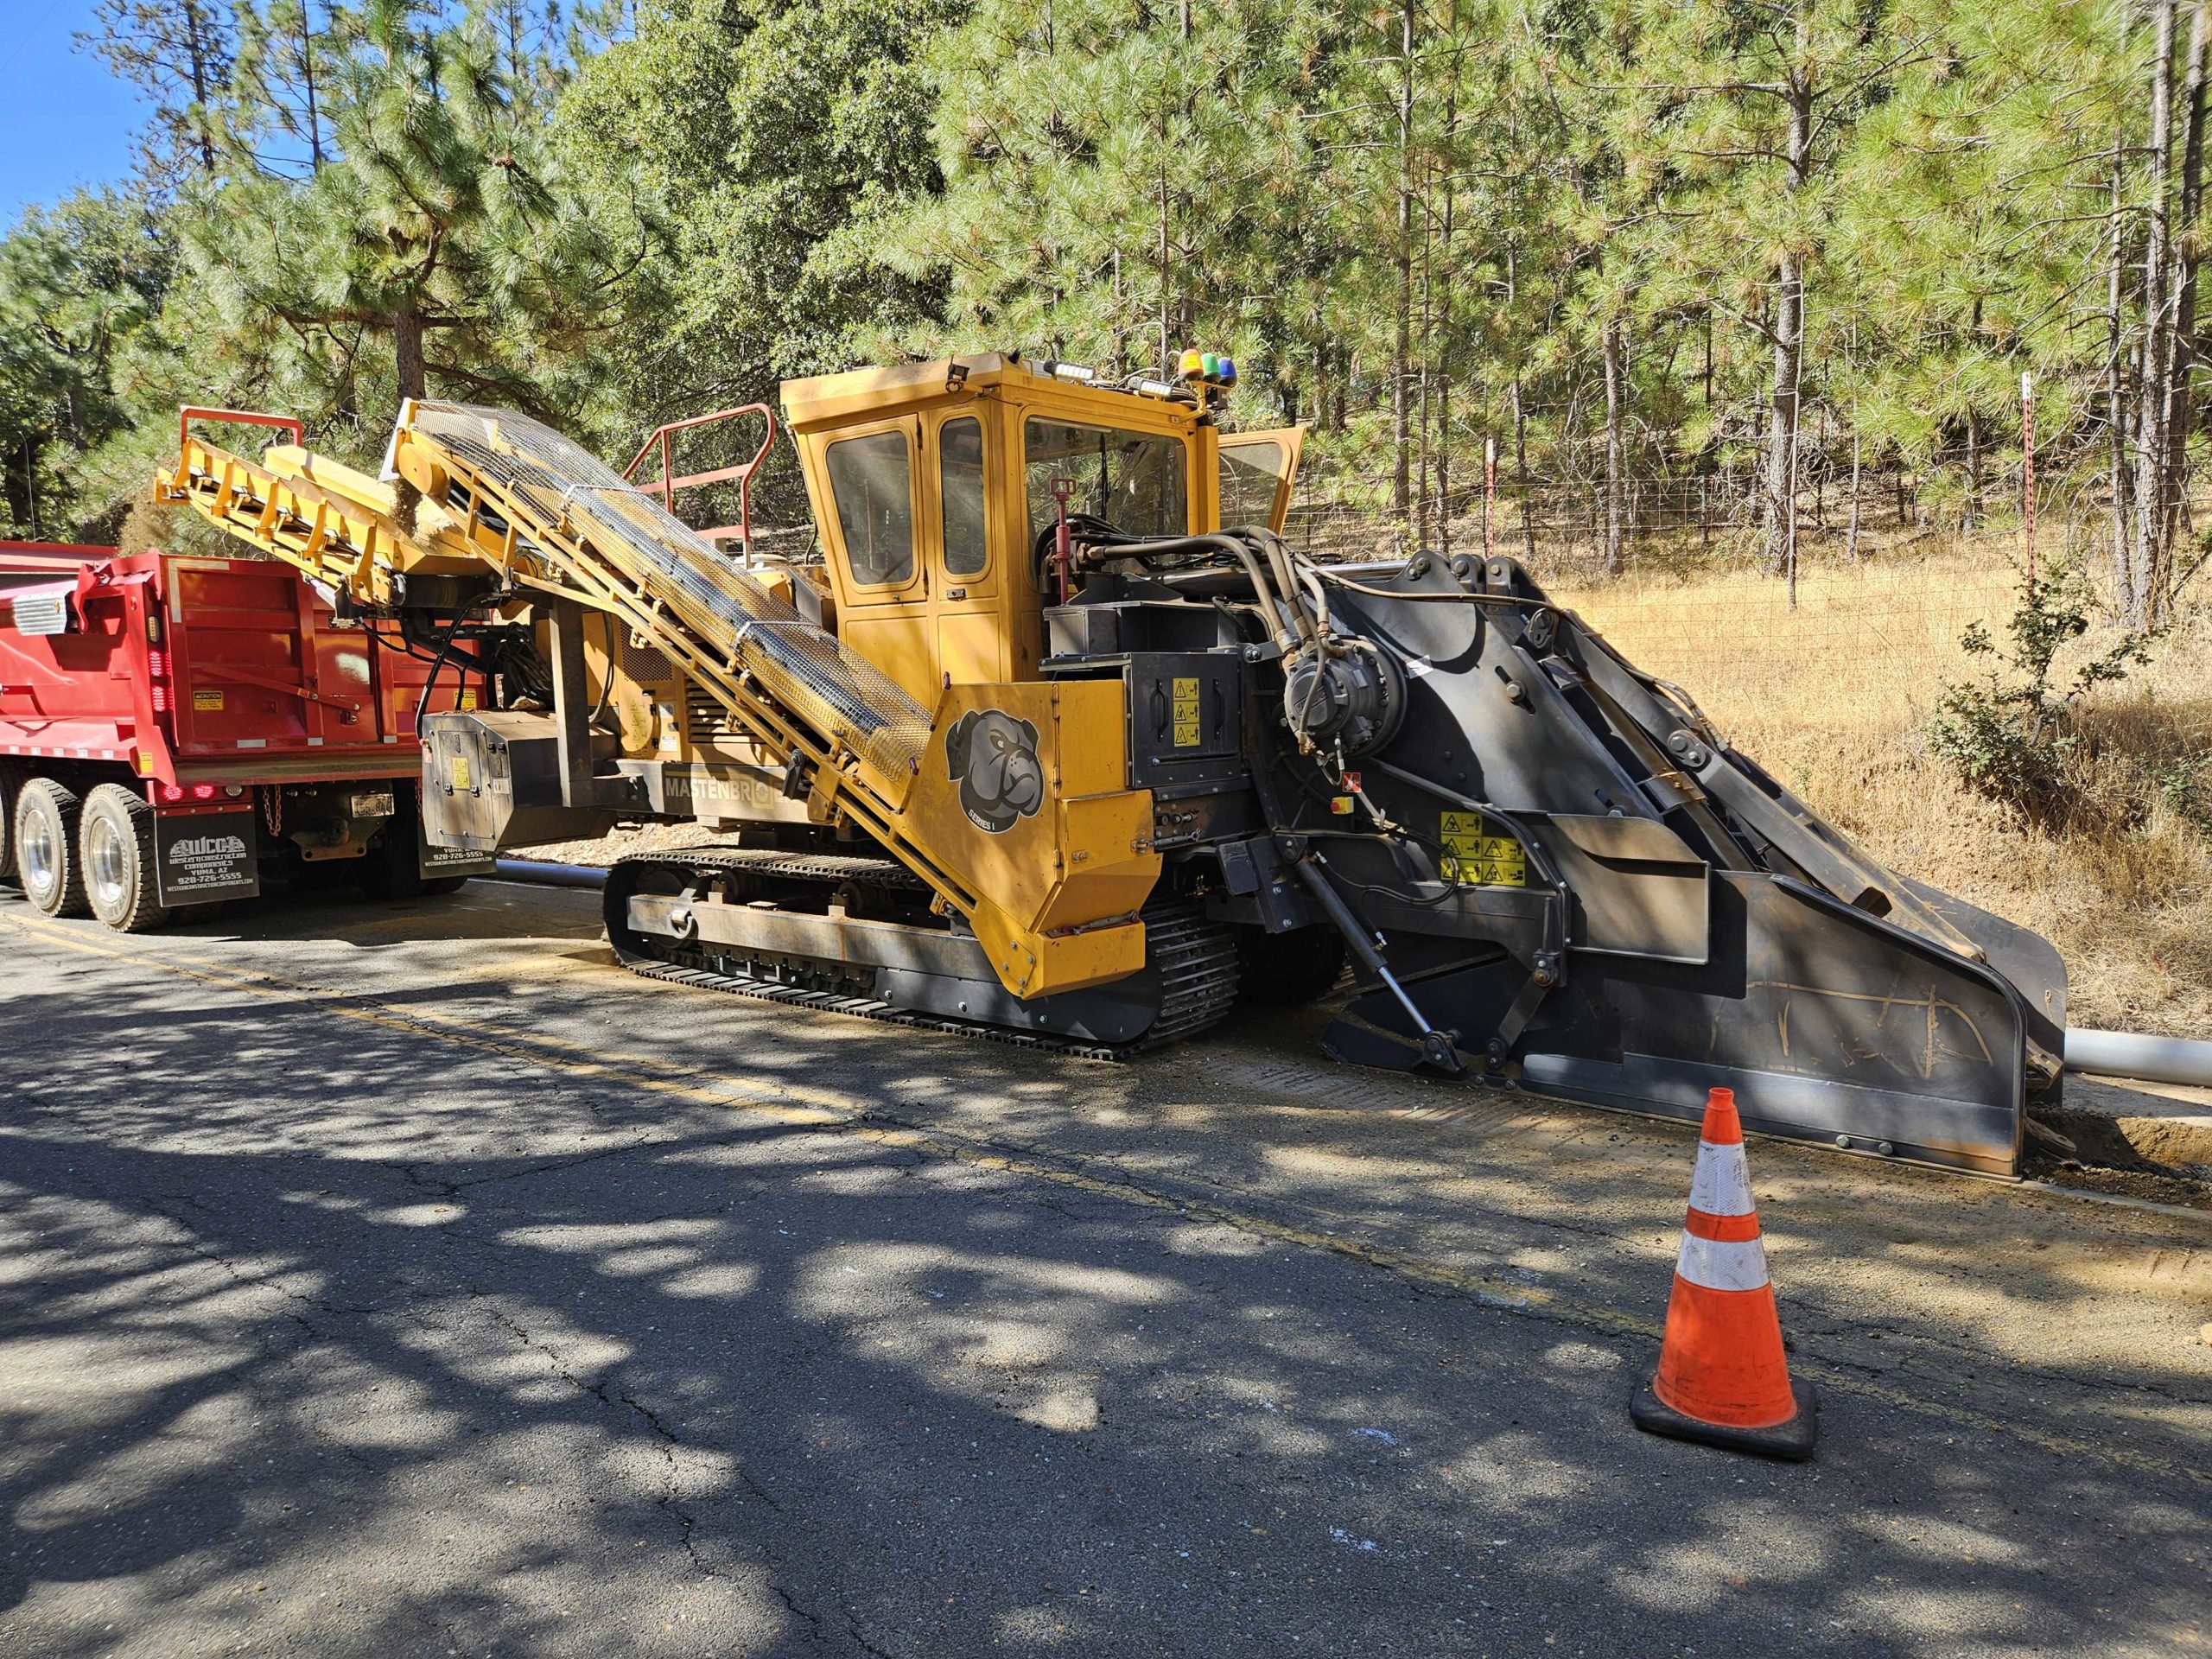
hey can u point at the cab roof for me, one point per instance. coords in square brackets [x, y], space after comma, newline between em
[836, 399]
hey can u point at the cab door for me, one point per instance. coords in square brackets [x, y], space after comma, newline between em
[971, 576]
[878, 565]
[1254, 475]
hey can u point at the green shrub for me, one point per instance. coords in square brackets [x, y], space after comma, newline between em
[2008, 734]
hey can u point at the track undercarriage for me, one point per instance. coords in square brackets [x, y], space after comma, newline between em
[858, 936]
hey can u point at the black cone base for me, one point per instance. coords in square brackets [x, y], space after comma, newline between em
[1792, 1441]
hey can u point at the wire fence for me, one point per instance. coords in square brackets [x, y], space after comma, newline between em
[1890, 576]
[1562, 524]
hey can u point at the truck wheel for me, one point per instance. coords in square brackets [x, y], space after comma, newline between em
[436, 886]
[12, 785]
[46, 848]
[116, 837]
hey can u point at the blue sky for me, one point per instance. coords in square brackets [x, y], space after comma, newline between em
[64, 120]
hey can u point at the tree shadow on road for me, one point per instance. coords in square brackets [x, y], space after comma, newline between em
[320, 1330]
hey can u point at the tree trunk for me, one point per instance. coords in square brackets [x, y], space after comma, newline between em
[1425, 442]
[1708, 362]
[197, 52]
[1444, 344]
[2151, 488]
[1781, 503]
[1166, 351]
[1401, 414]
[407, 354]
[2180, 388]
[1972, 516]
[1789, 328]
[2123, 575]
[1616, 416]
[306, 74]
[1820, 479]
[1521, 470]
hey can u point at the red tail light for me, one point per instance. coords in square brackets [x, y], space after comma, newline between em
[203, 792]
[167, 793]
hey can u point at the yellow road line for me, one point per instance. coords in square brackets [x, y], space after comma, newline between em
[845, 1118]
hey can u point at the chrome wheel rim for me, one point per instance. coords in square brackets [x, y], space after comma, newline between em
[37, 854]
[105, 862]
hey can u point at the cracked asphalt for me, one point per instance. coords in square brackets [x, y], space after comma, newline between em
[414, 1281]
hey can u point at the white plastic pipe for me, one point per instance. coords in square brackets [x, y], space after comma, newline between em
[2132, 1054]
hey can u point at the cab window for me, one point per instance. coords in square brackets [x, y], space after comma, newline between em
[1249, 475]
[870, 479]
[1133, 480]
[960, 473]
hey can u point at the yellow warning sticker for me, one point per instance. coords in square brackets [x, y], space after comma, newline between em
[468, 698]
[1187, 712]
[1477, 854]
[206, 703]
[460, 771]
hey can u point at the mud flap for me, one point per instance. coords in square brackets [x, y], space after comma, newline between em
[200, 858]
[435, 864]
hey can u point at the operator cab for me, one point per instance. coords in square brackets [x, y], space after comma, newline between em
[934, 484]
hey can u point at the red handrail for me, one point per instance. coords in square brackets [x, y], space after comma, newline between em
[187, 415]
[667, 483]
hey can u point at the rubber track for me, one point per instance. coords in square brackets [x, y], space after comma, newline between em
[1197, 959]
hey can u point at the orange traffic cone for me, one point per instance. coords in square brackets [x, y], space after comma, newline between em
[1722, 1376]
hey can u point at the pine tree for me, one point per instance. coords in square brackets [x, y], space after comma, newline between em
[77, 283]
[439, 245]
[1115, 182]
[179, 54]
[278, 115]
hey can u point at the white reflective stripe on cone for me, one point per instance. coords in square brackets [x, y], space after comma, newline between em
[1722, 1185]
[1717, 1264]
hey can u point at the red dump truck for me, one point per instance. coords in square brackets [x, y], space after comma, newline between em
[178, 731]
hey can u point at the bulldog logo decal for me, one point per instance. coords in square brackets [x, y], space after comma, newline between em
[993, 757]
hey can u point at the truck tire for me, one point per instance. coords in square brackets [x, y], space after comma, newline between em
[12, 785]
[389, 870]
[46, 848]
[115, 839]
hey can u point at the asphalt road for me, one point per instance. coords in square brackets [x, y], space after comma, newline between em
[414, 1281]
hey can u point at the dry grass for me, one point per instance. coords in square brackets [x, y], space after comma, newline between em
[1832, 698]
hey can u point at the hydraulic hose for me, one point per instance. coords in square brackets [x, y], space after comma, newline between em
[1291, 628]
